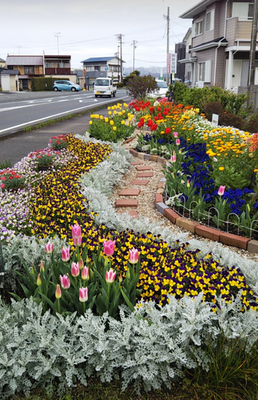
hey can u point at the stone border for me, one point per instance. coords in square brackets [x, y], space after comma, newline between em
[190, 225]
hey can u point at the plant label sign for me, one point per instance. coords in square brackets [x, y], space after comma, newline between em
[215, 119]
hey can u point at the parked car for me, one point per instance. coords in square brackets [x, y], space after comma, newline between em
[104, 87]
[66, 85]
[161, 91]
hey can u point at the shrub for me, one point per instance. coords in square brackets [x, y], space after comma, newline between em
[139, 86]
[225, 118]
[251, 123]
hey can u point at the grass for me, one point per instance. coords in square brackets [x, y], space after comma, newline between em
[5, 164]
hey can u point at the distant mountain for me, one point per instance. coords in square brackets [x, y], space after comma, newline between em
[157, 72]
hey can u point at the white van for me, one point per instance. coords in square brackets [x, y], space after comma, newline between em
[104, 87]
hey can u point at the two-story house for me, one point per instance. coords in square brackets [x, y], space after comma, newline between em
[220, 43]
[100, 67]
[28, 67]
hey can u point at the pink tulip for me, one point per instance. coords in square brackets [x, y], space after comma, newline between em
[109, 247]
[66, 253]
[49, 247]
[83, 294]
[77, 234]
[177, 142]
[85, 274]
[134, 256]
[173, 157]
[75, 269]
[221, 190]
[58, 292]
[175, 134]
[65, 281]
[110, 276]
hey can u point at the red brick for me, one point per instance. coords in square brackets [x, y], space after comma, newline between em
[143, 167]
[234, 240]
[126, 203]
[158, 198]
[171, 215]
[134, 152]
[144, 175]
[132, 213]
[186, 224]
[142, 182]
[137, 162]
[129, 192]
[207, 232]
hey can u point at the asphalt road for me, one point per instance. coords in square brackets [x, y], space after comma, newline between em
[16, 146]
[20, 110]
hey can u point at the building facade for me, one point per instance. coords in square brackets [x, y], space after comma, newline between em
[101, 67]
[220, 43]
[29, 67]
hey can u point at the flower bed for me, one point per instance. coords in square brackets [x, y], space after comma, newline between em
[193, 290]
[203, 159]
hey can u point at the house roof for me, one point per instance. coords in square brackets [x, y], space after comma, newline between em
[98, 59]
[197, 9]
[212, 43]
[24, 60]
[10, 72]
[1, 60]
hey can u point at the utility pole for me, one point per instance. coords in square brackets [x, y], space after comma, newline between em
[119, 38]
[57, 38]
[134, 47]
[168, 61]
[251, 71]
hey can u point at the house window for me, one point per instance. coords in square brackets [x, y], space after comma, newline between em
[204, 71]
[96, 68]
[209, 20]
[198, 28]
[29, 70]
[243, 11]
[250, 11]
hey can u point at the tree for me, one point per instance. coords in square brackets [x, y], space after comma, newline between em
[139, 86]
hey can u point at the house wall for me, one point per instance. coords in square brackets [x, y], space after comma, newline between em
[9, 83]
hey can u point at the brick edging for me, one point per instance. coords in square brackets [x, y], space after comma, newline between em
[194, 227]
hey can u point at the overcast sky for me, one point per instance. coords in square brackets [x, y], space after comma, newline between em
[90, 28]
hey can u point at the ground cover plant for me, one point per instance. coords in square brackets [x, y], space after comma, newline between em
[212, 170]
[182, 292]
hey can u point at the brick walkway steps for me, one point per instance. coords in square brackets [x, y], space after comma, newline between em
[132, 192]
[129, 192]
[139, 182]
